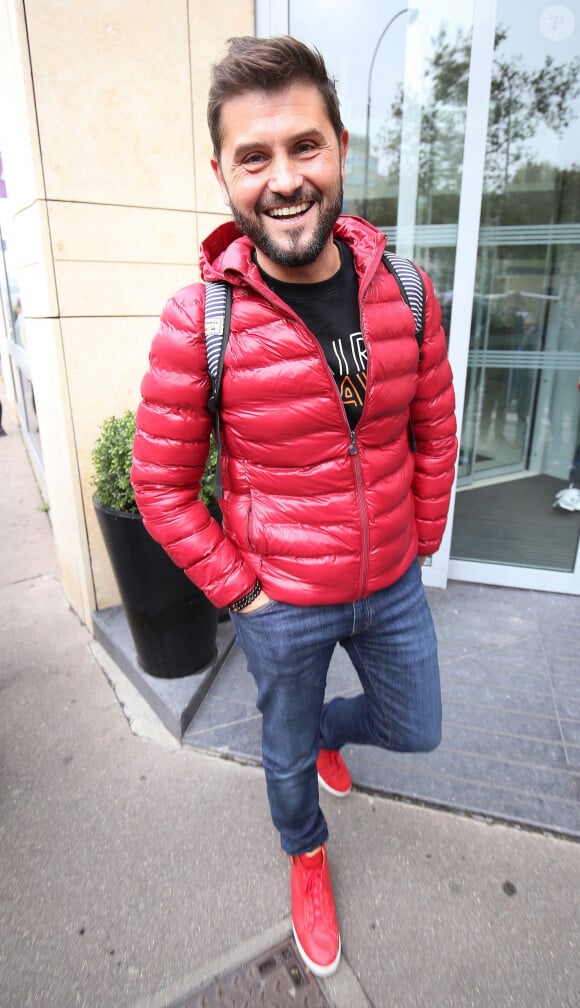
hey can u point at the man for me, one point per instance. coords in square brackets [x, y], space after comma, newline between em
[328, 508]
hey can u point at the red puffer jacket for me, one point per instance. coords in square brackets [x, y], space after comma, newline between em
[320, 514]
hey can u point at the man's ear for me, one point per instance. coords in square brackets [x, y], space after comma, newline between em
[215, 167]
[343, 150]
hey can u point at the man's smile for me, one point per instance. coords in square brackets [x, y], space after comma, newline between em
[288, 211]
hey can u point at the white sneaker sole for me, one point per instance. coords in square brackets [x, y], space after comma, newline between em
[327, 787]
[565, 506]
[321, 971]
[568, 499]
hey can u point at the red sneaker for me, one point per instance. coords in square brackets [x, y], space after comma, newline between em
[333, 773]
[313, 913]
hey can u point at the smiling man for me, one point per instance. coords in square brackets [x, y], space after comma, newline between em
[338, 452]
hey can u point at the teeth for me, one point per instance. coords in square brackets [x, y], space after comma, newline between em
[289, 211]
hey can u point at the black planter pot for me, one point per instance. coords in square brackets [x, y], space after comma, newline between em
[173, 624]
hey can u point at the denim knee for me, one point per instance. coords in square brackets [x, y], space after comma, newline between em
[415, 738]
[420, 741]
[428, 741]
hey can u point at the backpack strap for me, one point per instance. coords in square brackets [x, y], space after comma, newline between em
[412, 288]
[218, 312]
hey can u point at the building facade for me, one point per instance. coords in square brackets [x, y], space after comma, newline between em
[465, 126]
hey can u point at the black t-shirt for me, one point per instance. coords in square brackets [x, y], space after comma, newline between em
[330, 310]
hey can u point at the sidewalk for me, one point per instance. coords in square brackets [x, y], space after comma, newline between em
[133, 869]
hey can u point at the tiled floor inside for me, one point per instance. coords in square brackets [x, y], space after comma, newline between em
[510, 669]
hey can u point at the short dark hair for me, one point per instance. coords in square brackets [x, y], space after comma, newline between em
[269, 65]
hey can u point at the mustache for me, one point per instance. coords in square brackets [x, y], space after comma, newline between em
[278, 202]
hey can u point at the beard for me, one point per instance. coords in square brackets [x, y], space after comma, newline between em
[295, 250]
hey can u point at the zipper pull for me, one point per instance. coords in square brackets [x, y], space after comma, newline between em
[353, 448]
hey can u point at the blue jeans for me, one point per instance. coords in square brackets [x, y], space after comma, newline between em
[390, 639]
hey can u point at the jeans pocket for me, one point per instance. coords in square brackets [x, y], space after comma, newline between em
[256, 613]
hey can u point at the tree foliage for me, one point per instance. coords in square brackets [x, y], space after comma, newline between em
[521, 100]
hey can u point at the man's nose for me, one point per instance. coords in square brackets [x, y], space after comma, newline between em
[285, 177]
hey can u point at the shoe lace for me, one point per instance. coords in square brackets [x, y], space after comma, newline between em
[316, 897]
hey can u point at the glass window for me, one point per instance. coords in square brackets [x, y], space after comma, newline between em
[522, 415]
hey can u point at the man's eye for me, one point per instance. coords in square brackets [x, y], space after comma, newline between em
[306, 147]
[254, 159]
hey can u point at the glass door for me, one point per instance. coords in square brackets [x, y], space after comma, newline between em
[515, 508]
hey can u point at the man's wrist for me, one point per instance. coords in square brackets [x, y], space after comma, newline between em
[246, 599]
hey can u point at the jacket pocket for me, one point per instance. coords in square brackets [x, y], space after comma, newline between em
[250, 529]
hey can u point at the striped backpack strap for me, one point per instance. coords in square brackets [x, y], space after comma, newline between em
[412, 288]
[218, 309]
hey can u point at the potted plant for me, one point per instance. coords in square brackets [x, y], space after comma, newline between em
[172, 623]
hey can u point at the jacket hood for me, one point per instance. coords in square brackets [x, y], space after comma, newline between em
[226, 252]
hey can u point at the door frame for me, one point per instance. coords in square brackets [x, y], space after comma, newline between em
[480, 73]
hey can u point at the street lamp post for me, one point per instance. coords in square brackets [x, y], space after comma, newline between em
[403, 10]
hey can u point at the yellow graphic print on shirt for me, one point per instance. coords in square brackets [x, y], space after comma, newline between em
[351, 369]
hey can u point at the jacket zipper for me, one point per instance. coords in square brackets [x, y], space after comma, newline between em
[352, 446]
[353, 452]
